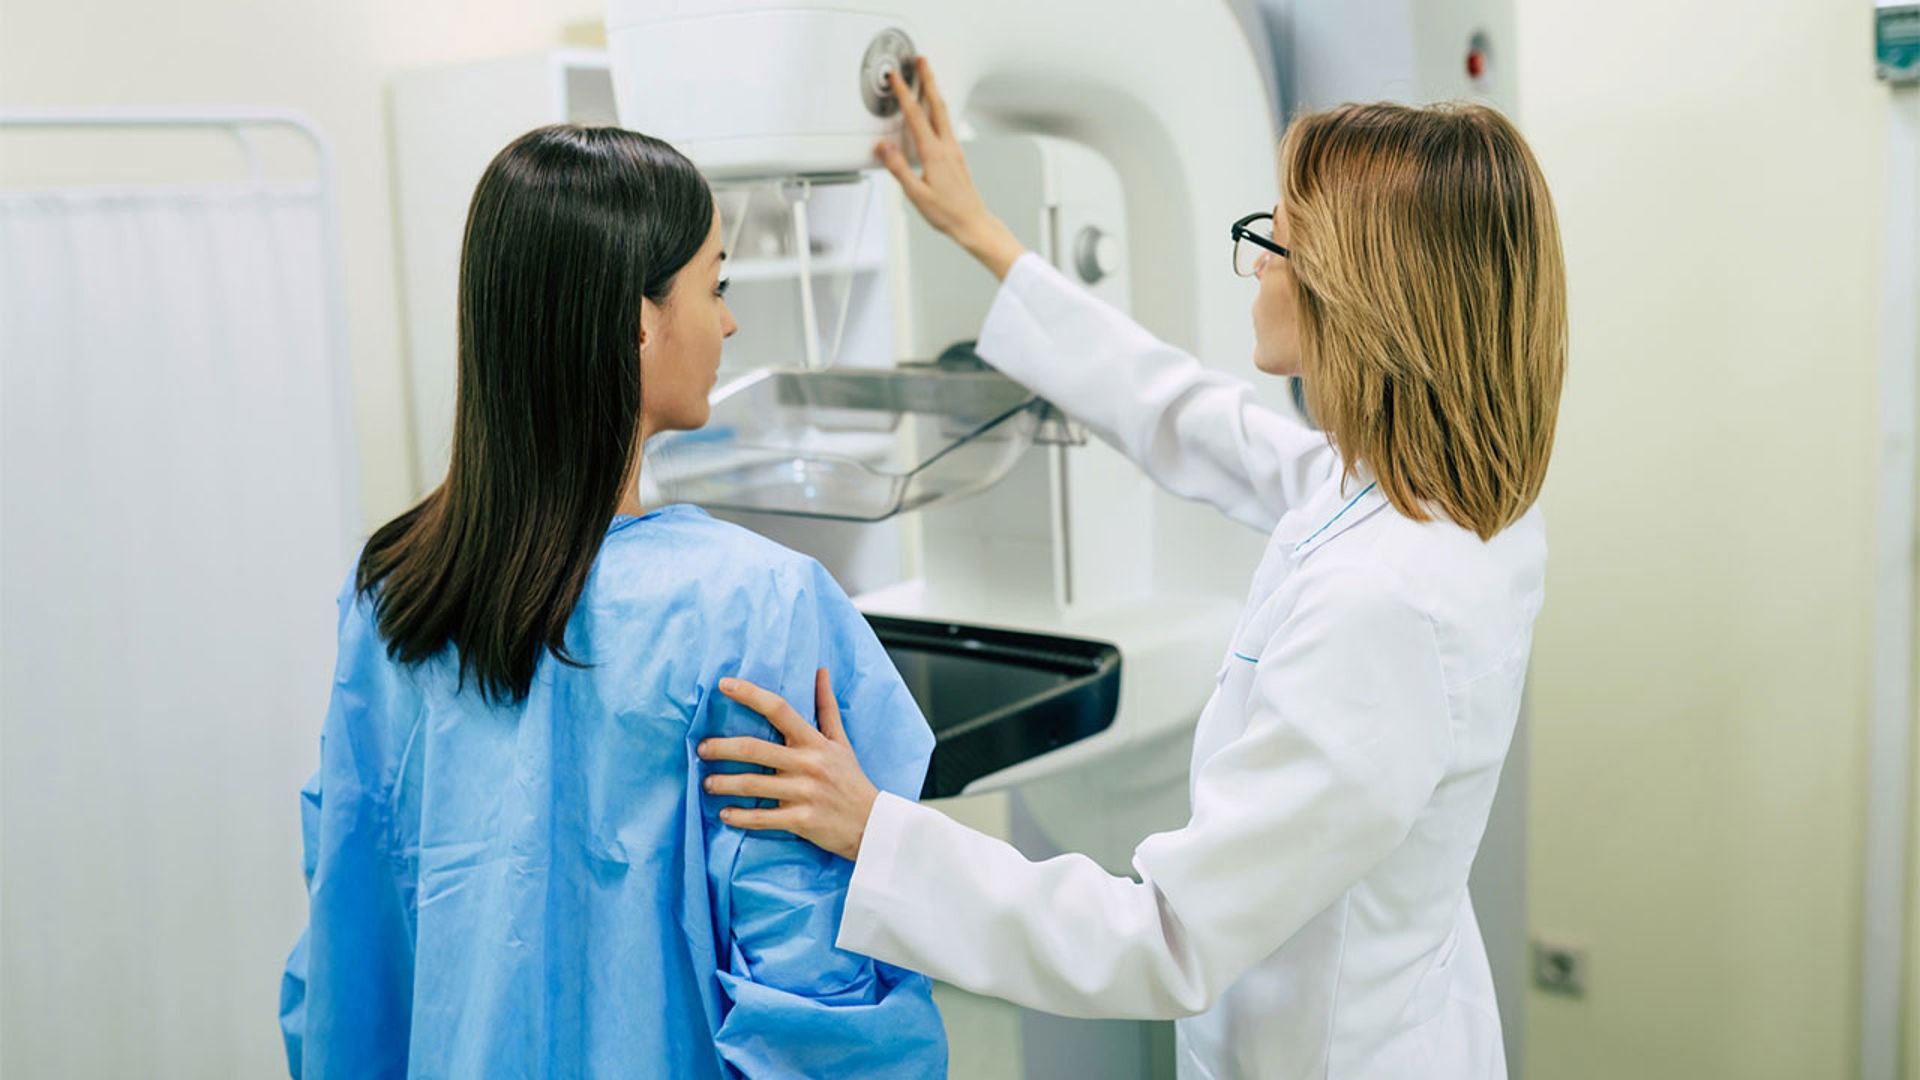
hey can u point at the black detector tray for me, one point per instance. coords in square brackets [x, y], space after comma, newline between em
[998, 697]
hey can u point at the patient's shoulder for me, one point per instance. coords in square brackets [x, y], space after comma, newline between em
[682, 550]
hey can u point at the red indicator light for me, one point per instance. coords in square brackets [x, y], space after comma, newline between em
[1476, 64]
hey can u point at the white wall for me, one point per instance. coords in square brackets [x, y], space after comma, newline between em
[1701, 674]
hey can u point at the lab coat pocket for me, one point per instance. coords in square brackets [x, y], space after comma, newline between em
[1226, 715]
[1243, 660]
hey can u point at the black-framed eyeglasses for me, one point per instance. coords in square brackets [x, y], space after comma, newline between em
[1251, 249]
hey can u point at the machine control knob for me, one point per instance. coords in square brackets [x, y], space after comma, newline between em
[1096, 254]
[891, 50]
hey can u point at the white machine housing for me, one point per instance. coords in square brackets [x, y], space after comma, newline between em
[751, 89]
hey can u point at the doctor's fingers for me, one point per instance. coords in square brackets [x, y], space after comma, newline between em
[788, 723]
[936, 102]
[925, 140]
[753, 785]
[752, 752]
[896, 162]
[759, 820]
[827, 708]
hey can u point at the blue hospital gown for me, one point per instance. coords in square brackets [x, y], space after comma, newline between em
[541, 890]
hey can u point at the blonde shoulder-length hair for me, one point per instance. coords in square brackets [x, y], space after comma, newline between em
[1432, 303]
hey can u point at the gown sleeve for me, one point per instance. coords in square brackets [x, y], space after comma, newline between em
[347, 992]
[1199, 433]
[795, 1005]
[293, 982]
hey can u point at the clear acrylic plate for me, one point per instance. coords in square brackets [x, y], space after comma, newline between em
[848, 443]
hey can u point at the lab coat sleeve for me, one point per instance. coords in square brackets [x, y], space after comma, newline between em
[1347, 736]
[1200, 434]
[796, 1004]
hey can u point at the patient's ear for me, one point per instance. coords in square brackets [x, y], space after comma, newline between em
[649, 321]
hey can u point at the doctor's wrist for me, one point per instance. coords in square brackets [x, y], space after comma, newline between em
[991, 242]
[860, 834]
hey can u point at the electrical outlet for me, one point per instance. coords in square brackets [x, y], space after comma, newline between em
[1559, 968]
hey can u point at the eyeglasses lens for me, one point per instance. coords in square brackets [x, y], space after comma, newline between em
[1248, 257]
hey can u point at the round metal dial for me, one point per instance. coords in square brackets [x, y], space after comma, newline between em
[890, 51]
[1096, 254]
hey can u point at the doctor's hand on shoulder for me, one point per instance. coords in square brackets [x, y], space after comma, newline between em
[943, 191]
[824, 794]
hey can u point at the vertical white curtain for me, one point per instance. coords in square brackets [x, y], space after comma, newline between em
[174, 525]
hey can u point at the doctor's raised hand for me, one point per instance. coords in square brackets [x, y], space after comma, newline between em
[943, 191]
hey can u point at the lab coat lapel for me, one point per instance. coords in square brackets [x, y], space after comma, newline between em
[1333, 509]
[1339, 505]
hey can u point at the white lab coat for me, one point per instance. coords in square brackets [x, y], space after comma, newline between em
[1312, 919]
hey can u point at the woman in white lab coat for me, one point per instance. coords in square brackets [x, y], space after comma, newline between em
[1312, 918]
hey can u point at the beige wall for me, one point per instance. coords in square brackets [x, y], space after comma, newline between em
[1701, 674]
[330, 61]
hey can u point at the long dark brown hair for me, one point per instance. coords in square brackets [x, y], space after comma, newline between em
[569, 229]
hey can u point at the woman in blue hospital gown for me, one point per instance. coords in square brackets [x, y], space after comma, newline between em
[511, 872]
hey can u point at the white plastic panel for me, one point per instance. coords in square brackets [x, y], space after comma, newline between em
[448, 123]
[758, 93]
